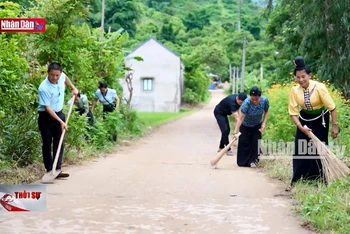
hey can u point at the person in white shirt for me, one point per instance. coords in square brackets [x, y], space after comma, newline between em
[108, 97]
[51, 119]
[82, 107]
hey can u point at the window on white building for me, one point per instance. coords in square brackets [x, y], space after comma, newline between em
[147, 84]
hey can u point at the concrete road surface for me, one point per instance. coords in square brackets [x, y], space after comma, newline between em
[163, 184]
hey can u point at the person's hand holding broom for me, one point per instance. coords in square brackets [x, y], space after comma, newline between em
[305, 130]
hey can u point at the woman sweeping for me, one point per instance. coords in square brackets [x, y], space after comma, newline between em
[316, 106]
[251, 123]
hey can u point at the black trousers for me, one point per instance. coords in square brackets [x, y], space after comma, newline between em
[224, 126]
[109, 109]
[51, 132]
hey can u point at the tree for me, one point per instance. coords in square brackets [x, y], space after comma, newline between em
[319, 32]
[118, 14]
[197, 19]
[168, 33]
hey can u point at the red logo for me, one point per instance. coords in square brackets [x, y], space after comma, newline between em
[22, 25]
[11, 204]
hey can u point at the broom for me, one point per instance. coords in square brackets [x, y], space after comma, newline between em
[332, 166]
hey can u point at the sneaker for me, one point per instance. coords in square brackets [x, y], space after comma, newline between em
[253, 165]
[63, 175]
[229, 153]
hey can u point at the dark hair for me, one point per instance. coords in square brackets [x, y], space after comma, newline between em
[102, 84]
[300, 65]
[54, 66]
[242, 96]
[255, 91]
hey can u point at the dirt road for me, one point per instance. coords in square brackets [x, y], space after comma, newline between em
[163, 184]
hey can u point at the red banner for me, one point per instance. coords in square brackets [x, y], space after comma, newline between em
[22, 25]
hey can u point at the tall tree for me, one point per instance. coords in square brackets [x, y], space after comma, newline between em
[197, 19]
[319, 31]
[118, 14]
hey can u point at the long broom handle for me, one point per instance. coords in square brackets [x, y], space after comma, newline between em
[62, 136]
[223, 151]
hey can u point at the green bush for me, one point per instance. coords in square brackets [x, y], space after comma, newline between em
[196, 82]
[133, 124]
[20, 139]
[190, 97]
[280, 126]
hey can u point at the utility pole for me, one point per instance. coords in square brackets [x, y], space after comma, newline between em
[102, 24]
[237, 77]
[230, 70]
[239, 15]
[233, 80]
[102, 20]
[243, 65]
[261, 75]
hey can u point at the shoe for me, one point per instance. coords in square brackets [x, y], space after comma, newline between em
[253, 165]
[229, 153]
[63, 175]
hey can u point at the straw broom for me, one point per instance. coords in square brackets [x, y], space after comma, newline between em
[332, 166]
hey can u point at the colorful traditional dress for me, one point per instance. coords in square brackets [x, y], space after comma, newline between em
[313, 106]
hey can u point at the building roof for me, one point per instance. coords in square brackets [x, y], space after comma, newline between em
[161, 44]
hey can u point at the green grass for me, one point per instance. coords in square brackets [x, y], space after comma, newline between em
[326, 208]
[155, 119]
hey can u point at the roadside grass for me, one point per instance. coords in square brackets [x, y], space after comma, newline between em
[277, 169]
[10, 173]
[155, 119]
[324, 208]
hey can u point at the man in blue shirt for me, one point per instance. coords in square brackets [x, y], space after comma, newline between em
[51, 119]
[109, 98]
[227, 106]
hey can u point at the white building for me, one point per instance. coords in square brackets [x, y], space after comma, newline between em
[158, 80]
